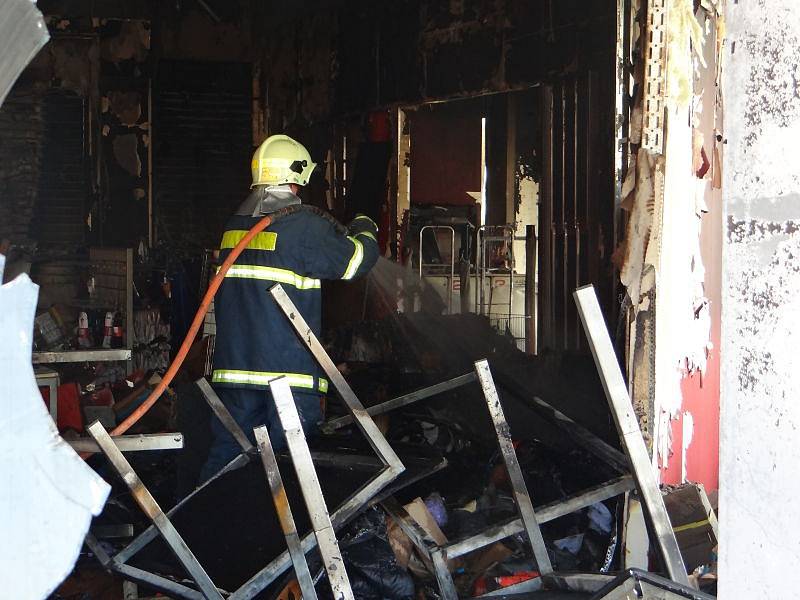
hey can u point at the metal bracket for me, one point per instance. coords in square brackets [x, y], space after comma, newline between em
[418, 536]
[635, 583]
[393, 466]
[149, 534]
[225, 417]
[544, 514]
[435, 558]
[272, 571]
[447, 587]
[655, 76]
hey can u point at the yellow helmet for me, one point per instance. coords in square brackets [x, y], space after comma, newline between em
[280, 159]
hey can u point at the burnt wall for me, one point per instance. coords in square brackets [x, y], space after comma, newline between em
[124, 122]
[363, 55]
[314, 66]
[201, 152]
[85, 101]
[77, 122]
[43, 177]
[20, 148]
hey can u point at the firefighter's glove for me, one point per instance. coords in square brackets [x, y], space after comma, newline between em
[362, 224]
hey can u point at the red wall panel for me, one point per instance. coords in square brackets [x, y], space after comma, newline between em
[445, 153]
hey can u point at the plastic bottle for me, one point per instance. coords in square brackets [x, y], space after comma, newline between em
[118, 332]
[108, 326]
[84, 341]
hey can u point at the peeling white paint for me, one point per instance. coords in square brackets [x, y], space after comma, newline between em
[683, 315]
[683, 319]
[688, 434]
[667, 200]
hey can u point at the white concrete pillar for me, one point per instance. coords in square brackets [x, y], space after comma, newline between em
[760, 420]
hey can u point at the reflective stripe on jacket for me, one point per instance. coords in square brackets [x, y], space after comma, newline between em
[255, 341]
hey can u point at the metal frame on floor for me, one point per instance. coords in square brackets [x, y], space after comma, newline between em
[151, 533]
[133, 443]
[392, 468]
[310, 488]
[281, 502]
[635, 583]
[361, 416]
[436, 557]
[635, 458]
[521, 494]
[148, 504]
[619, 401]
[404, 400]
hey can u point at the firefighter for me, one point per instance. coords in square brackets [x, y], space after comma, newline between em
[255, 342]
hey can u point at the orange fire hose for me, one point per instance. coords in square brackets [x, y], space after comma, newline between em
[193, 329]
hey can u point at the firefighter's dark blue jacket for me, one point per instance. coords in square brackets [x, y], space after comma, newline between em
[255, 341]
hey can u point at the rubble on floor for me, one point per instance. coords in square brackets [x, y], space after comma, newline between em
[456, 485]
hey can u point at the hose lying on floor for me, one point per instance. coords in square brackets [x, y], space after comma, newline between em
[177, 362]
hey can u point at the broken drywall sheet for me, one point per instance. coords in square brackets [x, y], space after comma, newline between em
[684, 34]
[640, 225]
[22, 35]
[48, 494]
[690, 184]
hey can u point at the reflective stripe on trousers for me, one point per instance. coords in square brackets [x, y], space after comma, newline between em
[296, 380]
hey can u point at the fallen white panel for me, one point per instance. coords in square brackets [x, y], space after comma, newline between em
[48, 494]
[22, 35]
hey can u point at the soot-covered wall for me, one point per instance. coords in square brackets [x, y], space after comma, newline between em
[314, 64]
[359, 55]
